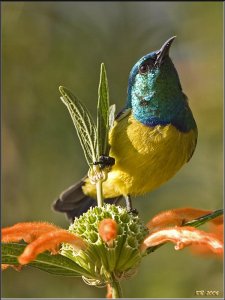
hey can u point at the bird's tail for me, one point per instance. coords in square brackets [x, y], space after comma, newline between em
[74, 202]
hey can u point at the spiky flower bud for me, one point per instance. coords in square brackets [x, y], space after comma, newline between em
[101, 259]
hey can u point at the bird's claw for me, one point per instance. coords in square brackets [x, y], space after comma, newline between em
[105, 161]
[133, 211]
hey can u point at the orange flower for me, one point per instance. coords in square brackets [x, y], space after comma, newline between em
[167, 226]
[128, 240]
[217, 231]
[28, 231]
[108, 230]
[179, 216]
[41, 236]
[182, 237]
[5, 266]
[109, 291]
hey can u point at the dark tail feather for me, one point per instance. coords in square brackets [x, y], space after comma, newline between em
[74, 202]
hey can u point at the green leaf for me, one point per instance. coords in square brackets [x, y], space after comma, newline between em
[112, 110]
[103, 114]
[54, 264]
[83, 122]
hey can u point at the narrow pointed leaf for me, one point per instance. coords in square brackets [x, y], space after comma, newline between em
[103, 114]
[54, 264]
[83, 122]
[112, 110]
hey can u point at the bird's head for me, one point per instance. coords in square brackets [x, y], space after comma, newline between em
[154, 90]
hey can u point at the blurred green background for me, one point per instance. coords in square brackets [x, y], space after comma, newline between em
[63, 43]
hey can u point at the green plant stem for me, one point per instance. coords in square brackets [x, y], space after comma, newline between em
[201, 220]
[116, 288]
[99, 192]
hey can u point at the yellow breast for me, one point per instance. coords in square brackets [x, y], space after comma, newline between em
[145, 157]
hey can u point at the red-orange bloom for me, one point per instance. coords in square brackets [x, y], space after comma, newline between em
[179, 216]
[109, 291]
[217, 231]
[41, 236]
[167, 226]
[108, 230]
[182, 237]
[5, 266]
[28, 231]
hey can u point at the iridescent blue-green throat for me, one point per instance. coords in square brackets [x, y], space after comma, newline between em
[155, 94]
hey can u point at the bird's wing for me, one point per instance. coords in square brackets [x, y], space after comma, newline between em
[74, 202]
[71, 197]
[122, 114]
[193, 145]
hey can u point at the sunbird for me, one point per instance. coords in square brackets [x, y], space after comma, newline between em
[151, 138]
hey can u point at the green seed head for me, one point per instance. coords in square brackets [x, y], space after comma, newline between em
[121, 257]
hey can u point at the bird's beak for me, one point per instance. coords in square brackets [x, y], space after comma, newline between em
[164, 51]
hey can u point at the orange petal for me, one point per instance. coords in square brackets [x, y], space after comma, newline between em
[15, 267]
[217, 231]
[203, 250]
[28, 231]
[109, 291]
[50, 241]
[179, 216]
[4, 266]
[108, 230]
[182, 237]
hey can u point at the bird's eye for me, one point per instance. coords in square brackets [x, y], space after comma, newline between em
[143, 69]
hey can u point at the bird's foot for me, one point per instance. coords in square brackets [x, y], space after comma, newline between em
[129, 206]
[105, 161]
[133, 211]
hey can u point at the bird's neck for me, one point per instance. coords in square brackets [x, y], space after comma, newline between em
[181, 118]
[157, 99]
[175, 112]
